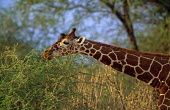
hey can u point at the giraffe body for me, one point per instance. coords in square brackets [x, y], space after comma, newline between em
[154, 69]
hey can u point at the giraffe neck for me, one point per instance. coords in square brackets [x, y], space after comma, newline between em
[146, 67]
[153, 69]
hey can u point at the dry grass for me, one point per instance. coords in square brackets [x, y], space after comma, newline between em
[106, 89]
[68, 83]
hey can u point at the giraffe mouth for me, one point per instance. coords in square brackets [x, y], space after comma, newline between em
[49, 58]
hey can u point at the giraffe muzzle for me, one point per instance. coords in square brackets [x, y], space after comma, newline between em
[47, 55]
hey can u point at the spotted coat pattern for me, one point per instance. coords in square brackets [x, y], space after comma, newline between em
[153, 69]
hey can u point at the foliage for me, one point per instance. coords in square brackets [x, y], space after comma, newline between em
[35, 83]
[37, 22]
[67, 83]
[10, 33]
[157, 40]
[27, 81]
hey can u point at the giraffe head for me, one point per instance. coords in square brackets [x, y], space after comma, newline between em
[66, 44]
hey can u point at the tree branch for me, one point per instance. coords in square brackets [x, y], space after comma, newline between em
[128, 25]
[125, 19]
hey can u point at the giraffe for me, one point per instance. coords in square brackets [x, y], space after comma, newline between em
[151, 68]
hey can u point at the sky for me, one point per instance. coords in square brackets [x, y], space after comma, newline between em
[6, 3]
[88, 22]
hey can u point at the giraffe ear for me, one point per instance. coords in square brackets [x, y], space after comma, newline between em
[80, 40]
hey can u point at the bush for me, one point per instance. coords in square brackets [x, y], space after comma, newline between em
[67, 83]
[33, 82]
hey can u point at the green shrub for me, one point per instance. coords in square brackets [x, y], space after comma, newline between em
[33, 83]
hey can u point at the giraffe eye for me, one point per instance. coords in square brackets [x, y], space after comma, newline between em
[65, 42]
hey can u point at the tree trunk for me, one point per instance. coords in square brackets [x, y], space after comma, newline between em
[125, 19]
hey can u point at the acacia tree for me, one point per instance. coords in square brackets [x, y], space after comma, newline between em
[35, 22]
[38, 21]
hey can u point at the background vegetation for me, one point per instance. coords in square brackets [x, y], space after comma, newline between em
[28, 81]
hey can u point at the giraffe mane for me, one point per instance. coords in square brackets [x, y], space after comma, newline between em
[133, 51]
